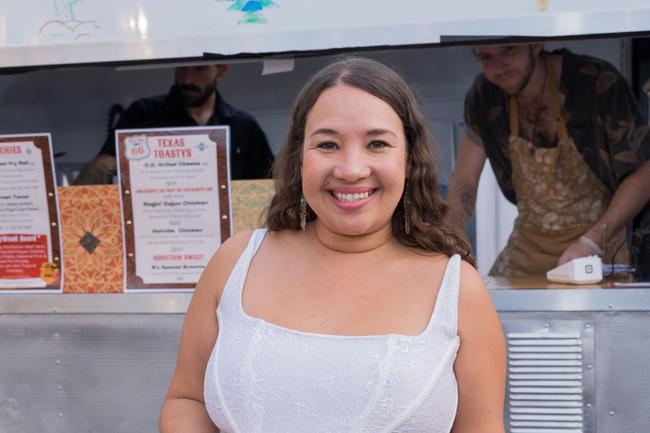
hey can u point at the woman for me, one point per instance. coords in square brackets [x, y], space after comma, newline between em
[348, 314]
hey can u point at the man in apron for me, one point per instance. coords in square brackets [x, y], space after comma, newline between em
[568, 145]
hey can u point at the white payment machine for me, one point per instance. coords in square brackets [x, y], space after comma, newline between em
[583, 270]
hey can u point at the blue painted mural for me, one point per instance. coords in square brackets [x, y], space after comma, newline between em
[252, 10]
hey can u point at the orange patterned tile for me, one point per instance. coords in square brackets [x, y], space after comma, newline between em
[92, 239]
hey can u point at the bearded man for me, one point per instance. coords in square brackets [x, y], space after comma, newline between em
[568, 145]
[193, 100]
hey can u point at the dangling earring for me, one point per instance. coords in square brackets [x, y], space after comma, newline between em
[406, 204]
[303, 213]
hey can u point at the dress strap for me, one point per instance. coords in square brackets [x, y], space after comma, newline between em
[231, 295]
[445, 312]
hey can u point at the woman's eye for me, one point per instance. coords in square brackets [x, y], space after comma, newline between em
[377, 144]
[327, 145]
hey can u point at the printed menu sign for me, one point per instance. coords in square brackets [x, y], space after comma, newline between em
[30, 249]
[175, 192]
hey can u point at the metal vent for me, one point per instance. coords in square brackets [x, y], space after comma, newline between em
[549, 366]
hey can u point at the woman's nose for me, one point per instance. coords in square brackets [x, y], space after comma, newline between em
[352, 165]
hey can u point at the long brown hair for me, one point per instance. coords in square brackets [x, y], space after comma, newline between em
[424, 205]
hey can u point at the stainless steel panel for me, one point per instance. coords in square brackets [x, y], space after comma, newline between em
[85, 373]
[577, 299]
[132, 303]
[623, 373]
[116, 354]
[621, 365]
[537, 400]
[545, 430]
[540, 376]
[545, 369]
[545, 356]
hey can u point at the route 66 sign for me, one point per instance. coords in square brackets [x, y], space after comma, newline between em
[136, 147]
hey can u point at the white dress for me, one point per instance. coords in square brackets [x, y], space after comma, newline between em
[264, 378]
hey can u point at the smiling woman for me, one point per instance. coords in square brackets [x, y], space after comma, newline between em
[354, 162]
[347, 81]
[356, 309]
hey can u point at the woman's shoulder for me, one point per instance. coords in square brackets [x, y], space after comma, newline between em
[474, 298]
[467, 269]
[229, 252]
[471, 282]
[234, 246]
[221, 264]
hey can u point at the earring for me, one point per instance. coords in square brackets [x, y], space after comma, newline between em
[303, 213]
[406, 204]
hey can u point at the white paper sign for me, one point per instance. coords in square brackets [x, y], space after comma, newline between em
[175, 198]
[29, 230]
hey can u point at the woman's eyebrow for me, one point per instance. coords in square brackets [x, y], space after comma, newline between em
[326, 131]
[379, 131]
[370, 133]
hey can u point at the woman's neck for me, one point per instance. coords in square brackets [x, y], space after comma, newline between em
[351, 244]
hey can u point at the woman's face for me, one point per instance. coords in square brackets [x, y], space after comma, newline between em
[354, 161]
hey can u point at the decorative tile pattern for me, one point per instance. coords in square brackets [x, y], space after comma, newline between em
[92, 239]
[89, 242]
[249, 199]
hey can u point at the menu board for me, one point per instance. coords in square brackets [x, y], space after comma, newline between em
[175, 193]
[30, 249]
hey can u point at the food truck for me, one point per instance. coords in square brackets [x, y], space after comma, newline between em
[95, 351]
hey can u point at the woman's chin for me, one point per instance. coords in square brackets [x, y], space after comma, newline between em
[349, 228]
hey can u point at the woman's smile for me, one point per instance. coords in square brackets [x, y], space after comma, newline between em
[354, 161]
[352, 198]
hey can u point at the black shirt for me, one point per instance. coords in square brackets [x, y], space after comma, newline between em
[250, 154]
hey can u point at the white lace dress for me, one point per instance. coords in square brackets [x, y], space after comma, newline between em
[263, 378]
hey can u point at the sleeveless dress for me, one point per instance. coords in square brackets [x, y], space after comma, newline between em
[264, 378]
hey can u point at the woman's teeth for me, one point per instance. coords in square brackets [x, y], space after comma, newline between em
[352, 197]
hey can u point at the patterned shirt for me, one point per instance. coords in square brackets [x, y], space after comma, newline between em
[600, 110]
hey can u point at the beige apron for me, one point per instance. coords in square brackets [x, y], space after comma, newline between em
[558, 199]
